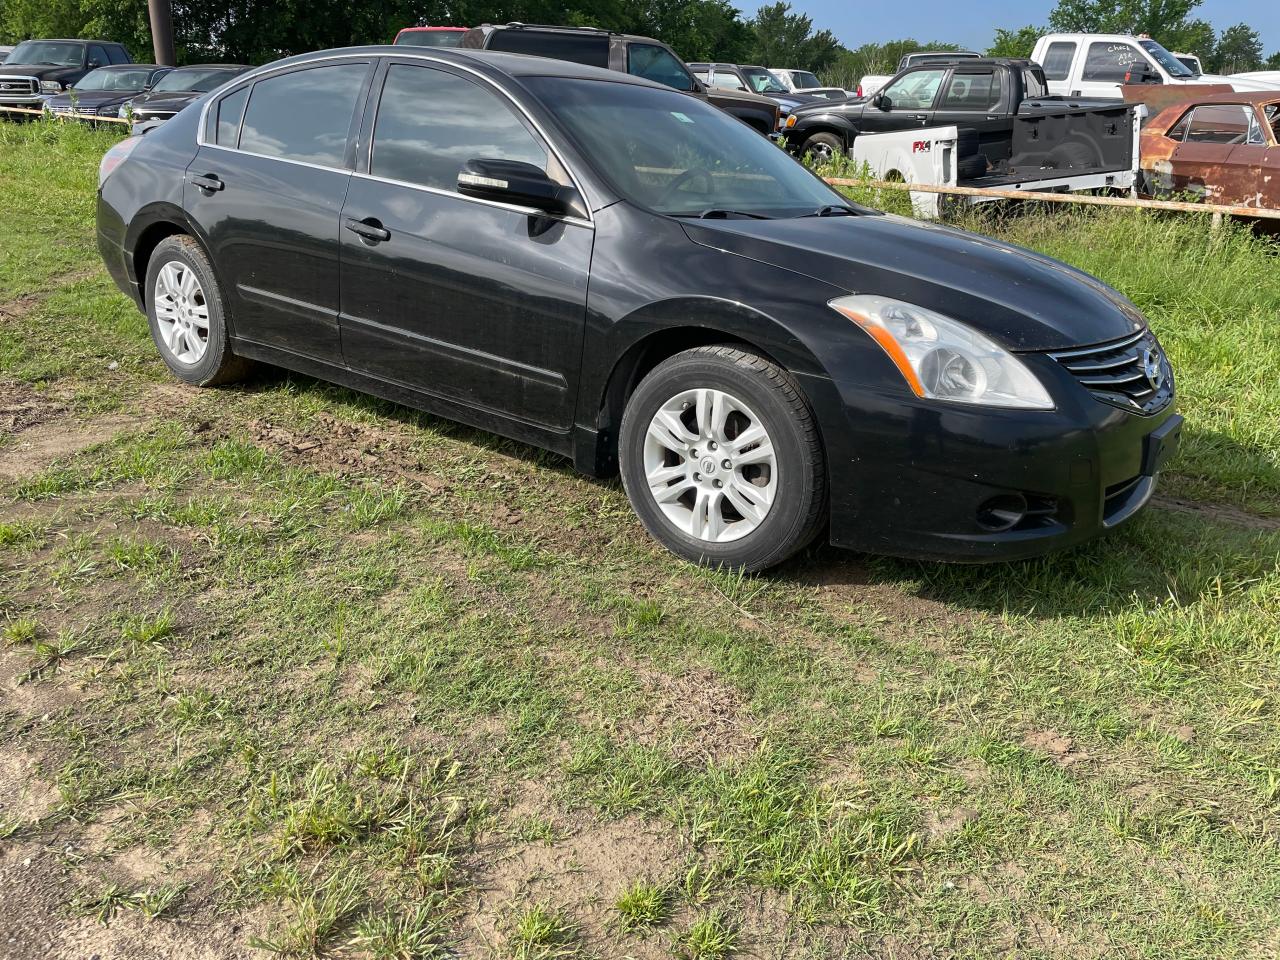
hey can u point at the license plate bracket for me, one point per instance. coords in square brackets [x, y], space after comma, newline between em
[1160, 445]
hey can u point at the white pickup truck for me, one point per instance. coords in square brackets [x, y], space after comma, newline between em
[1098, 64]
[1067, 149]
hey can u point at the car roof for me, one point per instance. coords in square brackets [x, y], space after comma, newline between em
[1227, 99]
[422, 29]
[132, 66]
[213, 66]
[101, 43]
[490, 61]
[587, 31]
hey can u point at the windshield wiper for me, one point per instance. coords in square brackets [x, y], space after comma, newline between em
[715, 213]
[833, 210]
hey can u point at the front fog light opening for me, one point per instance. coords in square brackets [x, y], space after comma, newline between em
[1002, 512]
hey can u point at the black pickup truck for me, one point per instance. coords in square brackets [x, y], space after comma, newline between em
[638, 56]
[39, 68]
[983, 95]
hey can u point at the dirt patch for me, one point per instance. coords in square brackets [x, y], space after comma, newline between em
[1220, 512]
[939, 825]
[24, 796]
[39, 447]
[580, 876]
[696, 714]
[22, 407]
[1061, 750]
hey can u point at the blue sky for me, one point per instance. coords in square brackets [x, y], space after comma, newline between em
[974, 24]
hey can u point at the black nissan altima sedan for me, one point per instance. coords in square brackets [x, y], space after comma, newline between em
[616, 271]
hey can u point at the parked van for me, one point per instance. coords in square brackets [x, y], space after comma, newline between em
[1099, 64]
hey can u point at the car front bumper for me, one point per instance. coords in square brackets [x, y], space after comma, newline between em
[916, 478]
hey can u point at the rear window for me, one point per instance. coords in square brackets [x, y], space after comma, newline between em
[589, 49]
[660, 65]
[304, 115]
[430, 38]
[1057, 59]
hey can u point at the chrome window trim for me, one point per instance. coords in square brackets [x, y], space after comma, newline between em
[271, 156]
[513, 207]
[409, 53]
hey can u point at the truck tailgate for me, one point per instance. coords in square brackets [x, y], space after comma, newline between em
[1075, 141]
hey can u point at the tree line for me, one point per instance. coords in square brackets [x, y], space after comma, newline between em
[257, 31]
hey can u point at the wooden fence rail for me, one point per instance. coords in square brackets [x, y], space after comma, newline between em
[1217, 209]
[65, 116]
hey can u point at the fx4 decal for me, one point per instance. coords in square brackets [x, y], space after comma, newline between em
[922, 146]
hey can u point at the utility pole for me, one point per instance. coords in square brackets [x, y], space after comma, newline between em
[162, 31]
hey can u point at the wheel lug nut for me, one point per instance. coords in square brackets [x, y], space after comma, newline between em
[726, 464]
[719, 483]
[711, 445]
[697, 476]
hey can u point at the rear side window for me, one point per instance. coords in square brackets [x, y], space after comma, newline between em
[304, 115]
[660, 65]
[1109, 62]
[976, 92]
[98, 55]
[727, 81]
[230, 113]
[1219, 124]
[118, 55]
[431, 122]
[587, 48]
[1057, 59]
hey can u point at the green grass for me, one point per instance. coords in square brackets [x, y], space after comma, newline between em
[383, 713]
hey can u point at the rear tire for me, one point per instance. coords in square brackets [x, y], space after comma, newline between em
[187, 314]
[721, 459]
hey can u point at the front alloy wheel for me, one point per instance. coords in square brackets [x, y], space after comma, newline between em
[710, 465]
[721, 459]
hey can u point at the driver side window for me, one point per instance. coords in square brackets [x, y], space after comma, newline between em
[915, 91]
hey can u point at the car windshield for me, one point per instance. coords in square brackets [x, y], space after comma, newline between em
[430, 38]
[125, 81]
[46, 52]
[675, 155]
[762, 81]
[802, 79]
[193, 79]
[1160, 55]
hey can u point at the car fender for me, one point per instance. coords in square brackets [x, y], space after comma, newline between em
[825, 121]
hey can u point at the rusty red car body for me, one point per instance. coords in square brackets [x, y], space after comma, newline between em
[1221, 147]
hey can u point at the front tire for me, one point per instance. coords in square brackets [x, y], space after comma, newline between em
[721, 459]
[823, 147]
[187, 315]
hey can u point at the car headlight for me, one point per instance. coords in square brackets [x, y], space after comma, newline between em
[124, 111]
[943, 359]
[50, 86]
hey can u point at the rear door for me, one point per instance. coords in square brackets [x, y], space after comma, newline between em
[975, 98]
[908, 102]
[472, 301]
[1059, 59]
[267, 187]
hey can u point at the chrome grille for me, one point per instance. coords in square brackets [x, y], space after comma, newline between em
[1131, 372]
[14, 88]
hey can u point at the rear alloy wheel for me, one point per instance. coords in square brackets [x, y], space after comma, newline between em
[187, 316]
[721, 459]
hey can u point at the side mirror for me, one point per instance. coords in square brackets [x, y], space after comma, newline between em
[513, 181]
[881, 102]
[1142, 73]
[94, 64]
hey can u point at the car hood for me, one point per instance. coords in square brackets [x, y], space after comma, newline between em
[37, 71]
[166, 100]
[739, 96]
[1238, 84]
[1019, 298]
[92, 98]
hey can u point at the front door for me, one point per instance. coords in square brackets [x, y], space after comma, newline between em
[1202, 161]
[472, 301]
[267, 186]
[907, 101]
